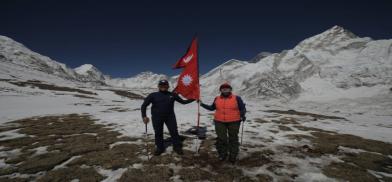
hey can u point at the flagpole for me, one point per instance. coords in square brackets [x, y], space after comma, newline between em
[198, 103]
[198, 75]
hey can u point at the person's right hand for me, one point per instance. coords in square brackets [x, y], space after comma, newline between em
[146, 120]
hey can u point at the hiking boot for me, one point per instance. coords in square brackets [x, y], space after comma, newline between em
[179, 151]
[158, 152]
[232, 159]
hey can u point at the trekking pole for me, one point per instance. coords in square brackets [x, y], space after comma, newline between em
[198, 128]
[145, 142]
[242, 132]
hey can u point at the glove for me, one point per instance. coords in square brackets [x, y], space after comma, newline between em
[146, 120]
[243, 118]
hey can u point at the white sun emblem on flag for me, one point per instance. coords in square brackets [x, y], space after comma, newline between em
[187, 80]
[188, 58]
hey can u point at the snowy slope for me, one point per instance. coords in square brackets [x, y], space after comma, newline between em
[20, 63]
[16, 55]
[335, 60]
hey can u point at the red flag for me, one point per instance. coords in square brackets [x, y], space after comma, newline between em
[188, 81]
[189, 57]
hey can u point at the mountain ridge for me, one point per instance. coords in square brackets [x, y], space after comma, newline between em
[336, 56]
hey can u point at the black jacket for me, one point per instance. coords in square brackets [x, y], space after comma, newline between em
[162, 103]
[240, 103]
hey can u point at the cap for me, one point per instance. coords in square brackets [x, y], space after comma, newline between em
[225, 85]
[163, 82]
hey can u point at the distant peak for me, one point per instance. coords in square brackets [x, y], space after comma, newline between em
[86, 66]
[329, 37]
[233, 61]
[260, 56]
[4, 38]
[146, 73]
[338, 30]
[83, 69]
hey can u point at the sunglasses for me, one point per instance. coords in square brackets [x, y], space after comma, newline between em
[225, 90]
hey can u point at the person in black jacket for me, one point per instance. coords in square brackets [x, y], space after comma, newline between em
[162, 111]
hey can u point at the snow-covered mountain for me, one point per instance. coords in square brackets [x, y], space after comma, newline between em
[16, 60]
[141, 80]
[19, 62]
[90, 72]
[259, 56]
[330, 65]
[334, 63]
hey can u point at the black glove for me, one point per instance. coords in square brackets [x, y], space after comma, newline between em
[243, 118]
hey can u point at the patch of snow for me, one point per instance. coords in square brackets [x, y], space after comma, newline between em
[3, 165]
[64, 164]
[137, 166]
[315, 177]
[380, 174]
[123, 142]
[10, 153]
[10, 134]
[40, 150]
[111, 175]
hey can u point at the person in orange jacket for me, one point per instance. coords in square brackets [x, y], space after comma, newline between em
[229, 112]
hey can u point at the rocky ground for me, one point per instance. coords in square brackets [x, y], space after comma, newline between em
[74, 146]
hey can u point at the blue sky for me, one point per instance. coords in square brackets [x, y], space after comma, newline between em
[123, 38]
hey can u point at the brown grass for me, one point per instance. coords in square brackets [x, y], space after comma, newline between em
[127, 94]
[44, 86]
[293, 112]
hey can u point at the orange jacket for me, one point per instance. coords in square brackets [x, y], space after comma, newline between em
[227, 109]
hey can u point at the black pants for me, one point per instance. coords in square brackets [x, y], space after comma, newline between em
[171, 124]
